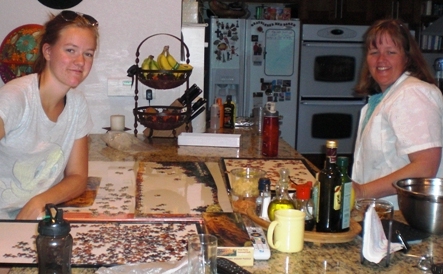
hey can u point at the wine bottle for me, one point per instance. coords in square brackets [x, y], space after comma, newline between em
[329, 200]
[228, 113]
[282, 200]
[346, 188]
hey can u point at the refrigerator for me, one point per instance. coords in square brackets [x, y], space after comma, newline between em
[256, 61]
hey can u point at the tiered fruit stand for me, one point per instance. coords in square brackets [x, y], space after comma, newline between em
[160, 117]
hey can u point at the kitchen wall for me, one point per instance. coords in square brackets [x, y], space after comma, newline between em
[123, 25]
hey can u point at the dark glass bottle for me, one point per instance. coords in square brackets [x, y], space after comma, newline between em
[282, 200]
[346, 188]
[329, 203]
[228, 113]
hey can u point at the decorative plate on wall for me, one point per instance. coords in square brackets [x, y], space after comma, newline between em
[18, 51]
[57, 4]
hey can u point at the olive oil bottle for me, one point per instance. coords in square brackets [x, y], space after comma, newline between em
[346, 189]
[281, 199]
[329, 200]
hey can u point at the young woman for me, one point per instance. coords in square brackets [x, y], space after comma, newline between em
[44, 121]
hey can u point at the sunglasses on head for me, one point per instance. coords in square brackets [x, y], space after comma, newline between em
[69, 15]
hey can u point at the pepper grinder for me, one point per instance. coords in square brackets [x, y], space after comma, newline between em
[54, 243]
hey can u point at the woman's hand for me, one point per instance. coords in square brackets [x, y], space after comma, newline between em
[32, 210]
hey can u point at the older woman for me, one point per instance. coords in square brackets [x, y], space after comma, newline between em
[44, 121]
[400, 132]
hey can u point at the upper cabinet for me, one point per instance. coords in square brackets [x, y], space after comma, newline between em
[334, 11]
[363, 12]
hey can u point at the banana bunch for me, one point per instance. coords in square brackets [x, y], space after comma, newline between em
[150, 64]
[165, 62]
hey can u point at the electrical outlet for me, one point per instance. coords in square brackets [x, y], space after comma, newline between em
[120, 87]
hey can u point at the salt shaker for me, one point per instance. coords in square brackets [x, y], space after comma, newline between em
[54, 243]
[271, 131]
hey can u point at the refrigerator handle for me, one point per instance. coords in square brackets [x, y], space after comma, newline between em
[332, 45]
[332, 101]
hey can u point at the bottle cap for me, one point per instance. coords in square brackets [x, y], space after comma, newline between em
[53, 225]
[262, 183]
[342, 161]
[303, 192]
[270, 109]
[331, 144]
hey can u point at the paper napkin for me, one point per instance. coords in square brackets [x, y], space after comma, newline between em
[375, 243]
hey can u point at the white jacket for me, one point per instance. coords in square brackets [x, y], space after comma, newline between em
[408, 119]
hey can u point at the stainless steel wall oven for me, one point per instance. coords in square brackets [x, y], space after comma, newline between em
[330, 61]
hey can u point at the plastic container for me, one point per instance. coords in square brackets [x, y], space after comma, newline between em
[54, 243]
[271, 131]
[215, 117]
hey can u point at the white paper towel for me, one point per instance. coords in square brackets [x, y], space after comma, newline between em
[375, 243]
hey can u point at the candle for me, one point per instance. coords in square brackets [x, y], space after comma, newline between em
[117, 122]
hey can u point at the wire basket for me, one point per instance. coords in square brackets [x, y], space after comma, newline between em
[161, 117]
[163, 79]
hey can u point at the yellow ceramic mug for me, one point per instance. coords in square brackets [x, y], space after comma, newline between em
[286, 232]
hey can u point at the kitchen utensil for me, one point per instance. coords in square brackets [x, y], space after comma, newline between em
[421, 202]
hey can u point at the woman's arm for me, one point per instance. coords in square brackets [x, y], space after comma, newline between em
[72, 185]
[424, 163]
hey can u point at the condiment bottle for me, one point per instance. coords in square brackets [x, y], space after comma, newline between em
[219, 102]
[303, 203]
[263, 200]
[328, 219]
[54, 243]
[228, 113]
[346, 189]
[214, 122]
[271, 131]
[281, 199]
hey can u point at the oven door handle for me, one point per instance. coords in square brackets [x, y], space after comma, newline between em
[333, 45]
[336, 101]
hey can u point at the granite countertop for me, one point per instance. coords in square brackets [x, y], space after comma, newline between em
[311, 258]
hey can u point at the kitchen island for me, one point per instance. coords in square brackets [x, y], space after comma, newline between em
[311, 259]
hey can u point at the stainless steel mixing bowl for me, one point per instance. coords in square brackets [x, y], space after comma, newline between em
[421, 202]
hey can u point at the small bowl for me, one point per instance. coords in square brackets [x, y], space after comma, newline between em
[244, 181]
[421, 202]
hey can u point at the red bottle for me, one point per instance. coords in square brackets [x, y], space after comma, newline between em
[271, 131]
